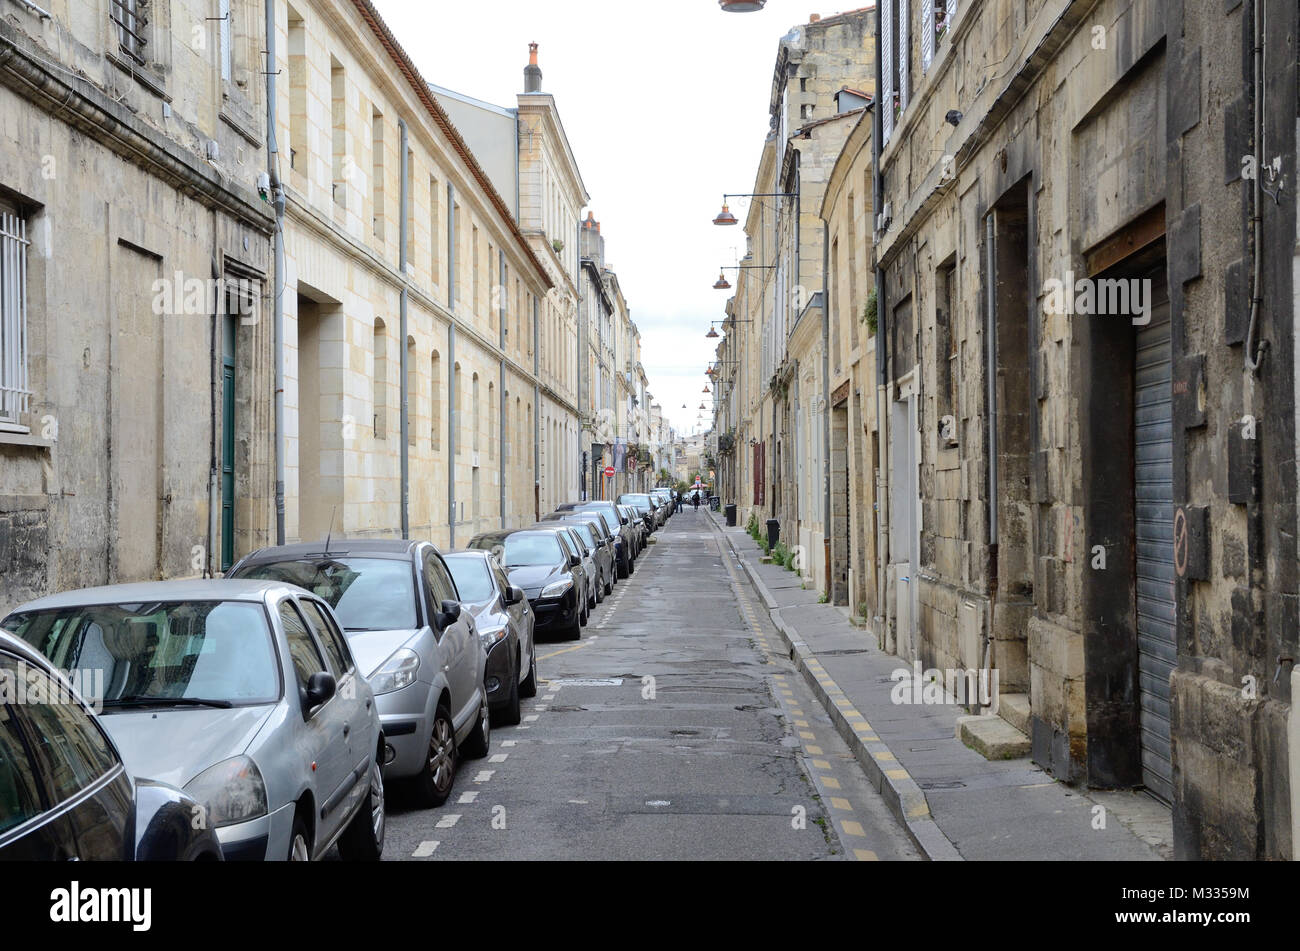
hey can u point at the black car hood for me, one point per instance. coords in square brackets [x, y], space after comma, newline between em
[533, 578]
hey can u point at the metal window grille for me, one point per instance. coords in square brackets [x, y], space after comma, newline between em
[129, 18]
[14, 394]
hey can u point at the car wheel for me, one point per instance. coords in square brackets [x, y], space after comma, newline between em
[433, 784]
[529, 687]
[609, 586]
[574, 632]
[509, 715]
[363, 840]
[299, 841]
[477, 744]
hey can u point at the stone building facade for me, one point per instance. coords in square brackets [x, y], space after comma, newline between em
[136, 366]
[780, 334]
[483, 355]
[1091, 483]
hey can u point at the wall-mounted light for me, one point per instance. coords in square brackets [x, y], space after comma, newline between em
[723, 284]
[725, 217]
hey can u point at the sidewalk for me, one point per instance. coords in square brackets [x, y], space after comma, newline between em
[956, 804]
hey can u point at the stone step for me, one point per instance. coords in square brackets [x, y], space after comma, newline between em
[1014, 708]
[992, 737]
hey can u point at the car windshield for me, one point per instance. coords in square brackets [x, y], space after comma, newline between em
[219, 652]
[542, 548]
[473, 580]
[367, 594]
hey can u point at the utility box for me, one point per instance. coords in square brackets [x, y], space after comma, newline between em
[730, 511]
[773, 532]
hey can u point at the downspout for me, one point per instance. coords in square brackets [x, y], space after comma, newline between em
[214, 472]
[403, 352]
[882, 365]
[990, 373]
[451, 365]
[278, 276]
[537, 413]
[501, 384]
[826, 403]
[1254, 358]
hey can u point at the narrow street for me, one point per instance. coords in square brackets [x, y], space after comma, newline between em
[673, 730]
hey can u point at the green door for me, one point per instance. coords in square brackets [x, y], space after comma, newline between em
[228, 445]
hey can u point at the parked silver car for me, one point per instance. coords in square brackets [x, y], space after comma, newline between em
[401, 611]
[243, 694]
[506, 627]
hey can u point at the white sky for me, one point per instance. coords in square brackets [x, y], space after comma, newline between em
[665, 103]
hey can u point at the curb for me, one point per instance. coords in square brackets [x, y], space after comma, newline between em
[896, 787]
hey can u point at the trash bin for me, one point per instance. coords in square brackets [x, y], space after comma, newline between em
[773, 532]
[731, 516]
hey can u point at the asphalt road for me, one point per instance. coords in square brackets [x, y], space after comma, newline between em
[674, 729]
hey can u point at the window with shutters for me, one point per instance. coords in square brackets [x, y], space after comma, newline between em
[14, 392]
[936, 16]
[888, 76]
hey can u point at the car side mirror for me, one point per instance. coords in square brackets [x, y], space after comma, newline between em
[449, 614]
[514, 594]
[320, 688]
[574, 561]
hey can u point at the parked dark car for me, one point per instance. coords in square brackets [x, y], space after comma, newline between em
[547, 571]
[644, 506]
[616, 521]
[505, 625]
[597, 538]
[401, 614]
[638, 522]
[65, 794]
[590, 571]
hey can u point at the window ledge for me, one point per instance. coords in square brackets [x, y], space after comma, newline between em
[145, 76]
[10, 438]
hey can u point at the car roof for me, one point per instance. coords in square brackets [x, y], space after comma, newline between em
[197, 589]
[338, 547]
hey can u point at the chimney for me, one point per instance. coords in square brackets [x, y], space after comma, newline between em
[533, 73]
[815, 18]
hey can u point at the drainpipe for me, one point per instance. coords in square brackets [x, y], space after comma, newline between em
[1253, 358]
[537, 413]
[501, 386]
[278, 277]
[406, 406]
[882, 365]
[826, 403]
[214, 473]
[451, 366]
[990, 373]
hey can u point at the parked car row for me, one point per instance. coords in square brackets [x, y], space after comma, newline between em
[262, 715]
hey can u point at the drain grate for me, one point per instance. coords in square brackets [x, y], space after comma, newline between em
[953, 784]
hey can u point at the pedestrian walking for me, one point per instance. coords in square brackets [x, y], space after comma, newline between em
[696, 500]
[678, 499]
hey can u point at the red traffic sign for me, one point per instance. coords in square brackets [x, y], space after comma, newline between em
[609, 472]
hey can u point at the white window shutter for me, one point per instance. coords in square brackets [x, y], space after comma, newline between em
[903, 39]
[952, 13]
[927, 33]
[886, 103]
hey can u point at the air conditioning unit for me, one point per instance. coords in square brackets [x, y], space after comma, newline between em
[885, 218]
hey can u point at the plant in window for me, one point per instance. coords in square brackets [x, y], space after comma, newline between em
[870, 316]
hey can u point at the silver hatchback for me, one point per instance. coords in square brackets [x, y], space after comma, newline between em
[243, 694]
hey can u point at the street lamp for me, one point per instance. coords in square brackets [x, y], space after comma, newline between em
[725, 218]
[713, 333]
[723, 284]
[742, 6]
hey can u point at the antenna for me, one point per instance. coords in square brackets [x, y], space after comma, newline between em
[328, 534]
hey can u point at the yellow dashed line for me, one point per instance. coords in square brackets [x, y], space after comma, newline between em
[821, 764]
[830, 782]
[804, 734]
[853, 828]
[865, 855]
[841, 804]
[896, 773]
[885, 757]
[564, 650]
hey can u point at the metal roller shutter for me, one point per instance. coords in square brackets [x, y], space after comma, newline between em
[1153, 485]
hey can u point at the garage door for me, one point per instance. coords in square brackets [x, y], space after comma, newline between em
[1153, 475]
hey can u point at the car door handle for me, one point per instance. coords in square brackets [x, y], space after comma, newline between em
[346, 729]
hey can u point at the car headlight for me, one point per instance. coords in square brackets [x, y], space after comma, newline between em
[557, 589]
[489, 637]
[397, 672]
[231, 791]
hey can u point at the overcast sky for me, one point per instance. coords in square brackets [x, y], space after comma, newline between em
[665, 103]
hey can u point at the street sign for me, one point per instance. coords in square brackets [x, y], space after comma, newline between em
[609, 472]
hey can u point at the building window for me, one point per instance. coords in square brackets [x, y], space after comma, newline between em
[435, 401]
[130, 18]
[381, 380]
[224, 37]
[14, 393]
[377, 183]
[340, 160]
